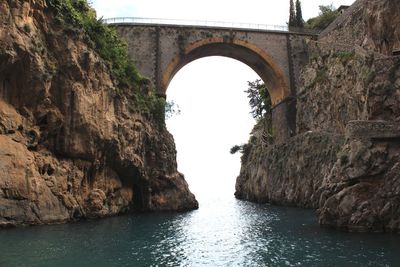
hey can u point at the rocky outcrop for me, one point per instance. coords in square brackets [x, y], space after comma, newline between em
[362, 192]
[343, 83]
[354, 90]
[290, 173]
[348, 97]
[71, 147]
[367, 23]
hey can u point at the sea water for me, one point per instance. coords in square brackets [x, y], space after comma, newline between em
[223, 232]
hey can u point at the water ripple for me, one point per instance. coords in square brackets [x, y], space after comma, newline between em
[232, 233]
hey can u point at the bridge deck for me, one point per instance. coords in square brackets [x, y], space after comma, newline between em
[207, 24]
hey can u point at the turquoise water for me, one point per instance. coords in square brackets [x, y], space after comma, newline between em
[223, 232]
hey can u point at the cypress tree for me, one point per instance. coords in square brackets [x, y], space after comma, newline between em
[299, 15]
[292, 15]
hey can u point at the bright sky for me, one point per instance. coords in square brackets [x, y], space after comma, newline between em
[215, 113]
[273, 12]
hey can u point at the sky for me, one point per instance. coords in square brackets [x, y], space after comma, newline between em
[210, 91]
[274, 12]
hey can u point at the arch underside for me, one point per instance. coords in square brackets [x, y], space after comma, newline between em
[240, 50]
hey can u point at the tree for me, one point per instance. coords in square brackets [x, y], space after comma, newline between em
[299, 15]
[171, 109]
[259, 99]
[292, 15]
[326, 16]
[236, 148]
[261, 110]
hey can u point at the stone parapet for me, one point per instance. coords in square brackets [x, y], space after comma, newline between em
[360, 129]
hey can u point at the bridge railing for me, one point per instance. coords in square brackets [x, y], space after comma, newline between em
[253, 26]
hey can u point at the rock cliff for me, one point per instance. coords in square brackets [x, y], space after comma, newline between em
[345, 156]
[373, 26]
[287, 174]
[71, 145]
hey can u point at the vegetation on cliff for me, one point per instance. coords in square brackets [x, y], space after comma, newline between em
[344, 159]
[76, 16]
[259, 99]
[75, 141]
[326, 16]
[261, 110]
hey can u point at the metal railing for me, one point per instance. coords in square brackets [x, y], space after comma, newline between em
[203, 23]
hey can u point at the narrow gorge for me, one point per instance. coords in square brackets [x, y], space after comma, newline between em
[83, 135]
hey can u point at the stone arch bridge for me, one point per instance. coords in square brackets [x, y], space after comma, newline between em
[160, 49]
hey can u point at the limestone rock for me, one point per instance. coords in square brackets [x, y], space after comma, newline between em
[362, 191]
[70, 147]
[345, 158]
[369, 24]
[288, 174]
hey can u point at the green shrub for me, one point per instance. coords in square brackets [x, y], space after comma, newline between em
[235, 149]
[342, 157]
[370, 77]
[326, 16]
[157, 109]
[171, 109]
[246, 149]
[322, 75]
[345, 56]
[393, 70]
[78, 16]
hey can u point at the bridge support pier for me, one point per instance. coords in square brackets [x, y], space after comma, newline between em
[284, 120]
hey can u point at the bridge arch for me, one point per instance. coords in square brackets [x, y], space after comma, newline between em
[238, 49]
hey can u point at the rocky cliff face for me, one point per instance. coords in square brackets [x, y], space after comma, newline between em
[373, 26]
[345, 156]
[362, 191]
[290, 173]
[343, 83]
[71, 147]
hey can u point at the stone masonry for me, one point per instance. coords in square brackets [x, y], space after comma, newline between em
[160, 51]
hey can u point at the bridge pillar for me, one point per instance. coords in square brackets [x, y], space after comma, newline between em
[284, 120]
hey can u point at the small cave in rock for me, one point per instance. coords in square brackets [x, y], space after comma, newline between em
[46, 169]
[140, 201]
[33, 139]
[4, 88]
[77, 214]
[11, 90]
[18, 85]
[132, 178]
[42, 121]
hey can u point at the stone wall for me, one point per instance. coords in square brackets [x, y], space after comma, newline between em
[156, 46]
